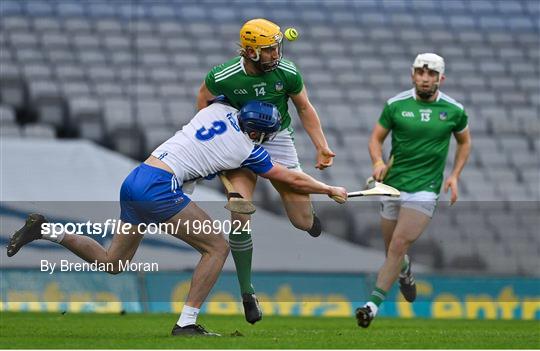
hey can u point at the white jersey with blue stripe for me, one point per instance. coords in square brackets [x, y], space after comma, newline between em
[211, 142]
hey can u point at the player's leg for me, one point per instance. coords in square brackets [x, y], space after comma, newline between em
[298, 206]
[241, 244]
[122, 248]
[157, 197]
[410, 225]
[213, 248]
[389, 215]
[423, 202]
[387, 230]
[299, 209]
[214, 251]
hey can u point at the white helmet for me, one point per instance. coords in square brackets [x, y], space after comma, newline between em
[432, 61]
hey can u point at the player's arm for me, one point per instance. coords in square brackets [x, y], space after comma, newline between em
[302, 182]
[463, 140]
[312, 125]
[203, 97]
[260, 162]
[376, 141]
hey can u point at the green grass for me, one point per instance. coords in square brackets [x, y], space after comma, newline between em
[133, 331]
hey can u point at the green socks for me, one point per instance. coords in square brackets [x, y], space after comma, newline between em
[242, 251]
[377, 296]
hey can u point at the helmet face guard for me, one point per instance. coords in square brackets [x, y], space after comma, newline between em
[260, 121]
[268, 66]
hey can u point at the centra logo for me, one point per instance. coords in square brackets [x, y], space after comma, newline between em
[240, 91]
[407, 114]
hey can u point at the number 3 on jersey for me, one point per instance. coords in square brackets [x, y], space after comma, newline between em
[218, 127]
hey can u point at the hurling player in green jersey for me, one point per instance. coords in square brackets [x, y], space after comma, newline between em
[260, 73]
[421, 120]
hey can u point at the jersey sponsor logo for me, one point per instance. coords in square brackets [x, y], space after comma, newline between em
[258, 85]
[443, 116]
[279, 86]
[407, 114]
[425, 115]
[240, 91]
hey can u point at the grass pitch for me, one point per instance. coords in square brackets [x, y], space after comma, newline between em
[149, 331]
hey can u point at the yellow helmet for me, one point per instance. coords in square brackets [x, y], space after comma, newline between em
[259, 33]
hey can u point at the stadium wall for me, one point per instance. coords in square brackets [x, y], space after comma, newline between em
[284, 294]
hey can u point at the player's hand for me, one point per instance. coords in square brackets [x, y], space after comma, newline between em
[452, 183]
[338, 194]
[379, 168]
[324, 158]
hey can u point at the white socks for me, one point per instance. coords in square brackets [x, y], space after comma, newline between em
[188, 316]
[374, 309]
[55, 238]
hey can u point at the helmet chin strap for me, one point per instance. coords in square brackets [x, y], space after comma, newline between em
[257, 60]
[258, 57]
[261, 65]
[265, 67]
[257, 141]
[260, 140]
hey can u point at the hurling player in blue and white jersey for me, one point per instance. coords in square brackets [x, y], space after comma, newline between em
[218, 138]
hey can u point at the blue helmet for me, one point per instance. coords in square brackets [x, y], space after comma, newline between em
[260, 117]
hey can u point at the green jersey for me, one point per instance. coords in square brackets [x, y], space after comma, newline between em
[420, 138]
[231, 80]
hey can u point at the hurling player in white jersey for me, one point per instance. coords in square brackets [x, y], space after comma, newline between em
[218, 138]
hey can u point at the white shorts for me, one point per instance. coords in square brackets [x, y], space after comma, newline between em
[422, 201]
[282, 149]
